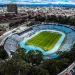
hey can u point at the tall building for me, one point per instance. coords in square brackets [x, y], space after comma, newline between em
[12, 7]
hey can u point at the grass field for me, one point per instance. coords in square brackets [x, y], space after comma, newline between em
[45, 40]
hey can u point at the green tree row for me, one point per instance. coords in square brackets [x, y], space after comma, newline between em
[32, 63]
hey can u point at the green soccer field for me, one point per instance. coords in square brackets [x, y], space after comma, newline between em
[45, 40]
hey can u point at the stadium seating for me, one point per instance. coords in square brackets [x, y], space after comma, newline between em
[68, 43]
[59, 27]
[10, 46]
[66, 29]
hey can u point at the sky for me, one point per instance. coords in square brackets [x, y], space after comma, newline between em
[37, 0]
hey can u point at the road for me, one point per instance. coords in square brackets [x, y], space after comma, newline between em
[2, 37]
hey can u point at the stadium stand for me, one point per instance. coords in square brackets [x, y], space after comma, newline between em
[70, 34]
[11, 43]
[27, 32]
[10, 46]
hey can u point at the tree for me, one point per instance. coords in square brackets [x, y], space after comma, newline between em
[62, 63]
[39, 57]
[3, 54]
[20, 53]
[35, 70]
[15, 67]
[51, 67]
[34, 57]
[59, 52]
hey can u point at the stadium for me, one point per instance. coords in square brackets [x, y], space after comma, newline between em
[37, 37]
[47, 38]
